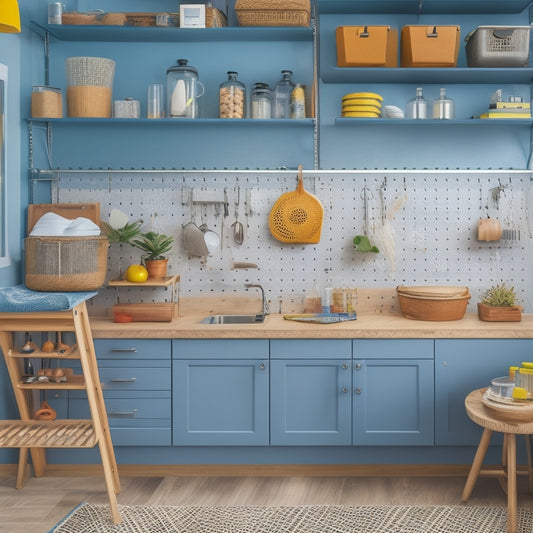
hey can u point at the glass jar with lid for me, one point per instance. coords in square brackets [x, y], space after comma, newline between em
[261, 101]
[282, 95]
[232, 97]
[183, 90]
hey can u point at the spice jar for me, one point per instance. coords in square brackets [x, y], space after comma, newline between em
[232, 97]
[46, 102]
[261, 101]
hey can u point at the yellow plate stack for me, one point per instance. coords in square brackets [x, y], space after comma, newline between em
[361, 105]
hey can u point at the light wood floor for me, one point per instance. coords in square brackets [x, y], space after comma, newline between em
[44, 501]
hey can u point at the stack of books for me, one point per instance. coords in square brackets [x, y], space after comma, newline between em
[508, 110]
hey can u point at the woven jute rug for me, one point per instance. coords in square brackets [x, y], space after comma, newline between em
[89, 518]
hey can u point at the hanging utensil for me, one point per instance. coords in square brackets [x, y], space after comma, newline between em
[297, 216]
[61, 347]
[362, 243]
[29, 345]
[238, 229]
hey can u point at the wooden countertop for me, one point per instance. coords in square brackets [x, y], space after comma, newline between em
[380, 326]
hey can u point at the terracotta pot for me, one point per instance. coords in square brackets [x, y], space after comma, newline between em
[499, 314]
[157, 268]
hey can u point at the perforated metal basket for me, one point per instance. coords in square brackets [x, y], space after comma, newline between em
[90, 71]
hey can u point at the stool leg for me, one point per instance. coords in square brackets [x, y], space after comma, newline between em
[511, 483]
[22, 467]
[476, 464]
[529, 462]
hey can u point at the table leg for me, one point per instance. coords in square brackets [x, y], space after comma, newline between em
[529, 462]
[511, 483]
[476, 464]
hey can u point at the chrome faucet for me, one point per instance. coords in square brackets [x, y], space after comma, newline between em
[264, 303]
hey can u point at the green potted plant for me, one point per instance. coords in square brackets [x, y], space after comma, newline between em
[123, 235]
[498, 304]
[155, 246]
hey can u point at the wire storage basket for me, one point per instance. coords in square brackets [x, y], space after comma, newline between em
[498, 46]
[273, 12]
[89, 86]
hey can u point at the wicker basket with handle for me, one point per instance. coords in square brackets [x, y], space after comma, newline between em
[273, 12]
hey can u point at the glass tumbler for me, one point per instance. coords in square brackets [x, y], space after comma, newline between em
[155, 101]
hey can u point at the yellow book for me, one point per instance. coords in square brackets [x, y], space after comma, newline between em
[510, 105]
[490, 114]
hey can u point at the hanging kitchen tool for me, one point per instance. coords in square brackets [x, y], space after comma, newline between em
[238, 228]
[29, 345]
[297, 216]
[362, 243]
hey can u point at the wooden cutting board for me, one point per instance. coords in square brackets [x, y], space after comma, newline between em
[70, 211]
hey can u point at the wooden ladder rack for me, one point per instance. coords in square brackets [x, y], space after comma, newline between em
[35, 436]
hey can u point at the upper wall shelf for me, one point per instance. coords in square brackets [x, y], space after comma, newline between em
[422, 6]
[427, 75]
[150, 34]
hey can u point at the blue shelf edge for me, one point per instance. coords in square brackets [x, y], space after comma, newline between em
[303, 122]
[161, 34]
[432, 122]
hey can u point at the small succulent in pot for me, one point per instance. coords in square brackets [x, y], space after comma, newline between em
[155, 246]
[498, 304]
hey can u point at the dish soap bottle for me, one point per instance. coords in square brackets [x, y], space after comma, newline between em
[443, 107]
[417, 106]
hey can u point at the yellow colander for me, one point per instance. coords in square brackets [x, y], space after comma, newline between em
[297, 216]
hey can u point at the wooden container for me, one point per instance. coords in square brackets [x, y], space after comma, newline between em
[89, 101]
[435, 309]
[214, 18]
[46, 102]
[499, 314]
[146, 312]
[366, 46]
[273, 12]
[429, 46]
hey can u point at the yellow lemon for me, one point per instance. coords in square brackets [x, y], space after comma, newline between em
[136, 274]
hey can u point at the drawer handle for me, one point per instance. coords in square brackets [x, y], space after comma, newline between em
[133, 412]
[358, 366]
[345, 390]
[123, 349]
[123, 380]
[358, 390]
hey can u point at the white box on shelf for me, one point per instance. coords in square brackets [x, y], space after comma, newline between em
[192, 16]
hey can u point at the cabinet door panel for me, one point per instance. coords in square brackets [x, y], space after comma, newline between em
[393, 402]
[220, 402]
[310, 402]
[461, 366]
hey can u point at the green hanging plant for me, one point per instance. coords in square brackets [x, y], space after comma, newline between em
[361, 243]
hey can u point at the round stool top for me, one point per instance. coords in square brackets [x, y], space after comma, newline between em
[486, 418]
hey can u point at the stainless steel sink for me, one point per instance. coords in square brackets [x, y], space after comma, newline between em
[233, 319]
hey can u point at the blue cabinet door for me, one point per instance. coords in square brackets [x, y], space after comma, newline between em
[220, 402]
[310, 402]
[461, 366]
[393, 402]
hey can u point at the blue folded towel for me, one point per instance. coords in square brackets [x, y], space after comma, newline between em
[20, 299]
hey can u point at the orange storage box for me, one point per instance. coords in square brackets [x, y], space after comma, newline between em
[367, 46]
[430, 46]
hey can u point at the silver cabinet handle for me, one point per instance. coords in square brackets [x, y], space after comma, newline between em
[123, 380]
[123, 349]
[358, 390]
[345, 390]
[262, 366]
[344, 366]
[133, 412]
[358, 366]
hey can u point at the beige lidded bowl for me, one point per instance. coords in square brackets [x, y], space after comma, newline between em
[436, 303]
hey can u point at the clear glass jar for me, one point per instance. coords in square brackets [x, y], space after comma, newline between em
[232, 97]
[183, 91]
[417, 107]
[282, 95]
[261, 101]
[443, 107]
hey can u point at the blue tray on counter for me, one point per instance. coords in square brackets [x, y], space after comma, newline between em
[322, 318]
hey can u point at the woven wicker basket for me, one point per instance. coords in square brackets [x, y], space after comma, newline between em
[66, 264]
[273, 12]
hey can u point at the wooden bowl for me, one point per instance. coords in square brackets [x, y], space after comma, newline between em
[437, 309]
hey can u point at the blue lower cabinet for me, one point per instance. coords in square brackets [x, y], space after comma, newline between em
[310, 402]
[464, 365]
[393, 402]
[219, 402]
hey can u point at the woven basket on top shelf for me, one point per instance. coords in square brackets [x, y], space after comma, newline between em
[273, 12]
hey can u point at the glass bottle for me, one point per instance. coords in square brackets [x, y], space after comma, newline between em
[261, 101]
[282, 95]
[232, 97]
[417, 106]
[443, 107]
[298, 102]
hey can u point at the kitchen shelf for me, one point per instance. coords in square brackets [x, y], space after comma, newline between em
[421, 6]
[427, 75]
[165, 282]
[161, 34]
[342, 121]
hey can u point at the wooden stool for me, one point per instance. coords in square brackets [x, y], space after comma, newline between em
[486, 418]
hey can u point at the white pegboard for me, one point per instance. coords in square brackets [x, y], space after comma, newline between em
[424, 224]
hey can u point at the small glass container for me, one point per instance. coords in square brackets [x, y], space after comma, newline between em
[443, 107]
[282, 95]
[46, 102]
[183, 91]
[298, 102]
[232, 97]
[55, 13]
[417, 107]
[261, 101]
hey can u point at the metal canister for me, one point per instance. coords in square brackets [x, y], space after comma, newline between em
[55, 13]
[127, 108]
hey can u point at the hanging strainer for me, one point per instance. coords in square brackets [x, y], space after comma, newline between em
[297, 216]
